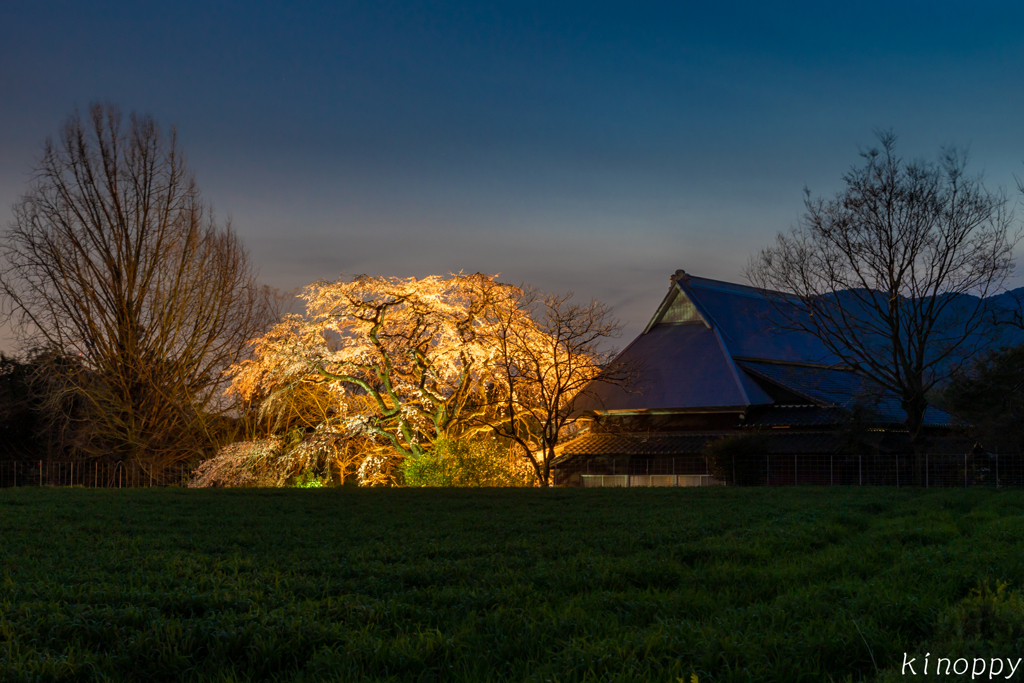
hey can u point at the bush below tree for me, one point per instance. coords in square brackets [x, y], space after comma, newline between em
[467, 463]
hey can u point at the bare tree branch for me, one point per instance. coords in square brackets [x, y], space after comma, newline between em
[114, 260]
[892, 274]
[547, 351]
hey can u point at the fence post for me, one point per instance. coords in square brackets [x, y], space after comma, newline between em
[831, 470]
[860, 469]
[997, 470]
[795, 478]
[40, 473]
[926, 470]
[897, 456]
[965, 470]
[768, 470]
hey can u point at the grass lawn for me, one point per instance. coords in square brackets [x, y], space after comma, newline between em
[792, 584]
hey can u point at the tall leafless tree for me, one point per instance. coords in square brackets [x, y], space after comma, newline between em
[115, 262]
[892, 273]
[539, 369]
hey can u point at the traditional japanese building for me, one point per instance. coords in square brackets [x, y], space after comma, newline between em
[711, 364]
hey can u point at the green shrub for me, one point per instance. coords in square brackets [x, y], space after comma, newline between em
[988, 617]
[309, 480]
[484, 462]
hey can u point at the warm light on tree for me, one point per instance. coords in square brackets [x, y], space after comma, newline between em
[540, 367]
[417, 349]
[410, 363]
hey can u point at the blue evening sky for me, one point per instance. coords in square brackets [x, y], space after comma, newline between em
[587, 146]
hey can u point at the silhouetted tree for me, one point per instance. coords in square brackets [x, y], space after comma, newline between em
[891, 273]
[115, 261]
[20, 423]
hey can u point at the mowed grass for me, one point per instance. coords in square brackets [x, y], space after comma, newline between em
[794, 584]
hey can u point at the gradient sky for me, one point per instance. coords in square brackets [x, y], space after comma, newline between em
[584, 146]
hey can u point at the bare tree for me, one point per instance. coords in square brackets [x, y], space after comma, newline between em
[114, 261]
[892, 273]
[542, 363]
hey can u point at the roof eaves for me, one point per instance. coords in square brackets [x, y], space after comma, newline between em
[672, 411]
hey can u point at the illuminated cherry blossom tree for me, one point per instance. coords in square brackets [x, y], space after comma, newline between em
[417, 349]
[411, 363]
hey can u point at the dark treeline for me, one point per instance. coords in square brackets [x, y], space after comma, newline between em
[22, 418]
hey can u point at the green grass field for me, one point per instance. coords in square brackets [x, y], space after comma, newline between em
[794, 584]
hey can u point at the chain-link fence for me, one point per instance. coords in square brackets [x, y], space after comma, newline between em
[90, 474]
[928, 470]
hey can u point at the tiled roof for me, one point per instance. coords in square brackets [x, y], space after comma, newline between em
[639, 444]
[751, 325]
[678, 366]
[666, 444]
[748, 323]
[843, 389]
[703, 352]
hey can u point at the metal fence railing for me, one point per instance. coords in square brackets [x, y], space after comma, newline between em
[929, 470]
[91, 474]
[621, 480]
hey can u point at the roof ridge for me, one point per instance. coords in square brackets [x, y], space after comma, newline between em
[731, 363]
[749, 290]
